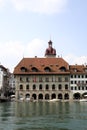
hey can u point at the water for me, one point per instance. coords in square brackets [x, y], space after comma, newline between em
[43, 116]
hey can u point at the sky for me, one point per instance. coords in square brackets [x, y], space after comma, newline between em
[26, 26]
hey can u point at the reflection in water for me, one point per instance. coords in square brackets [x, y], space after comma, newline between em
[43, 116]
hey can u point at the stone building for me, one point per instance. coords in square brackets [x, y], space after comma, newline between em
[49, 78]
[43, 78]
[4, 81]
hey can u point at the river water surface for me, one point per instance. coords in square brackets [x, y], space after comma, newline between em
[43, 116]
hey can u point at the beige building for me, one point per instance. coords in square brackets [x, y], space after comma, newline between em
[44, 78]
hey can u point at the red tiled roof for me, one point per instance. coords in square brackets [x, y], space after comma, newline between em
[78, 69]
[54, 64]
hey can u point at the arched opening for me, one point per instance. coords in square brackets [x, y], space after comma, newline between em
[21, 96]
[47, 87]
[27, 96]
[60, 96]
[47, 96]
[66, 96]
[21, 87]
[34, 96]
[40, 96]
[53, 96]
[53, 87]
[76, 96]
[84, 95]
[40, 87]
[34, 87]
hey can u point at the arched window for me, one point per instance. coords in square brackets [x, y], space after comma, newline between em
[66, 86]
[21, 87]
[23, 69]
[63, 69]
[40, 87]
[27, 86]
[34, 69]
[47, 87]
[60, 87]
[47, 69]
[53, 87]
[34, 87]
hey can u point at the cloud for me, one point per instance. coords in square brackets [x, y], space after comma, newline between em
[2, 2]
[40, 6]
[13, 51]
[73, 59]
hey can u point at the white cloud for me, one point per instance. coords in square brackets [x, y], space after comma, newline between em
[72, 59]
[12, 52]
[40, 6]
[2, 2]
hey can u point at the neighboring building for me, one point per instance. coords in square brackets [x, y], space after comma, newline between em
[4, 81]
[49, 77]
[78, 81]
[12, 84]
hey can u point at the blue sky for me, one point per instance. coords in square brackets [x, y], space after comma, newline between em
[26, 26]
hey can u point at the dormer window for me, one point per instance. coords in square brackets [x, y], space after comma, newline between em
[34, 69]
[47, 69]
[23, 69]
[63, 69]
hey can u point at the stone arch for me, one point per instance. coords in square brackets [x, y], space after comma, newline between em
[76, 95]
[53, 96]
[60, 96]
[21, 96]
[40, 96]
[47, 96]
[34, 96]
[66, 96]
[27, 95]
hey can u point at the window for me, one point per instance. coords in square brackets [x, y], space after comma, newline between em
[79, 88]
[27, 86]
[21, 79]
[40, 87]
[34, 87]
[75, 88]
[60, 86]
[53, 87]
[66, 79]
[47, 69]
[40, 79]
[66, 86]
[71, 82]
[47, 87]
[47, 79]
[27, 79]
[71, 76]
[71, 88]
[59, 79]
[21, 87]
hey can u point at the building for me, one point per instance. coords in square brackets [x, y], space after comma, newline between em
[4, 81]
[49, 77]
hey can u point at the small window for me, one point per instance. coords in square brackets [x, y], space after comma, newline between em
[66, 86]
[27, 86]
[60, 86]
[21, 87]
[47, 87]
[47, 69]
[53, 87]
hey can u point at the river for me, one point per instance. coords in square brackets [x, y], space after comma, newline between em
[43, 116]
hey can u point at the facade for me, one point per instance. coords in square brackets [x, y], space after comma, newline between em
[4, 81]
[49, 78]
